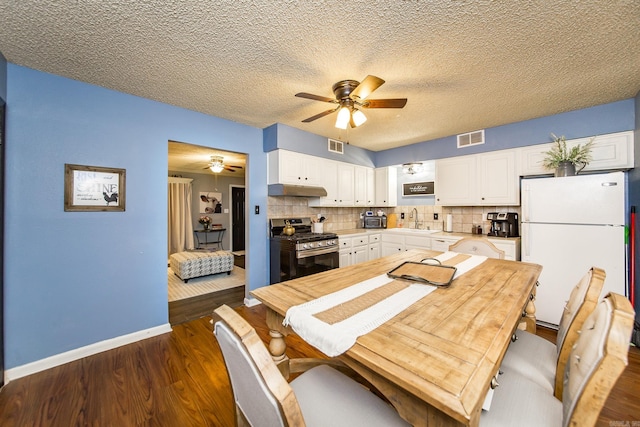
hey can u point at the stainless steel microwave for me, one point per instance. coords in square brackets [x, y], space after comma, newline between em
[374, 222]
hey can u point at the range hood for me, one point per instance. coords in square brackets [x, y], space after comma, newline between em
[295, 190]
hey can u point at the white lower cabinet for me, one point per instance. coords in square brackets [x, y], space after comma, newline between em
[374, 246]
[353, 249]
[391, 244]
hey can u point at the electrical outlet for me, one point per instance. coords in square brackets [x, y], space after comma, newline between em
[402, 215]
[435, 216]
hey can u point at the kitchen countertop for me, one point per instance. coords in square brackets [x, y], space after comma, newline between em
[410, 231]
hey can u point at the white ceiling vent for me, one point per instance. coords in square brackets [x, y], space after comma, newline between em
[336, 146]
[471, 138]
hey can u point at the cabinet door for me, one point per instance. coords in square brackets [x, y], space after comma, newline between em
[371, 187]
[497, 180]
[455, 183]
[360, 186]
[344, 258]
[345, 184]
[328, 179]
[386, 187]
[374, 251]
[360, 254]
[388, 248]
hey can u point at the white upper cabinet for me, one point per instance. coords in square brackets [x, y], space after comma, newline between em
[386, 186]
[346, 184]
[289, 167]
[477, 180]
[611, 151]
[455, 183]
[363, 186]
[498, 182]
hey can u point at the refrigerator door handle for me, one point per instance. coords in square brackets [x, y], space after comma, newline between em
[525, 202]
[526, 239]
[609, 184]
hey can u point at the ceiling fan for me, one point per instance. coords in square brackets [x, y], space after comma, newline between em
[217, 165]
[351, 97]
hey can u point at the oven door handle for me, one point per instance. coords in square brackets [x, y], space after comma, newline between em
[314, 252]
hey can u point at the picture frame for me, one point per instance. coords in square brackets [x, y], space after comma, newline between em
[418, 188]
[94, 189]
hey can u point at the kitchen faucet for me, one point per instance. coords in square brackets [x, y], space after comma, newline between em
[415, 218]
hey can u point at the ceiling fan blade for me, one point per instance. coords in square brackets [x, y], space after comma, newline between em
[368, 85]
[385, 103]
[317, 116]
[227, 168]
[233, 166]
[315, 97]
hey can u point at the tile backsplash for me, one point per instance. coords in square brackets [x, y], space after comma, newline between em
[464, 218]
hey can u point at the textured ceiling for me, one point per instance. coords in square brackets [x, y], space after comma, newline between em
[463, 64]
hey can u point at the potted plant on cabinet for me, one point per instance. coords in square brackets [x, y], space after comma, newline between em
[563, 160]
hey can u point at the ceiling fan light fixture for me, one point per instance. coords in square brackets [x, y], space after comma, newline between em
[344, 115]
[412, 168]
[216, 164]
[358, 117]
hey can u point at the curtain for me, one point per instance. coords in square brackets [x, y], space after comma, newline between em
[180, 227]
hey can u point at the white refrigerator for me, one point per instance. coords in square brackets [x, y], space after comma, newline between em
[570, 224]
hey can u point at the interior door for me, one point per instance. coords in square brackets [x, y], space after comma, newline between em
[237, 219]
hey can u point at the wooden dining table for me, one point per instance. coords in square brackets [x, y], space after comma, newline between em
[435, 361]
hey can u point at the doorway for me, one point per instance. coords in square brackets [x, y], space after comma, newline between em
[238, 225]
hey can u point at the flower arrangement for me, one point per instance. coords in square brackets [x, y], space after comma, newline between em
[559, 153]
[205, 221]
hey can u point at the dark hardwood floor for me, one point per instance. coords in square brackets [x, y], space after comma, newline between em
[179, 379]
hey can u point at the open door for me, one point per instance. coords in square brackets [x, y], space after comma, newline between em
[237, 219]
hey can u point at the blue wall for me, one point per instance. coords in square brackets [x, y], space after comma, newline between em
[77, 278]
[279, 136]
[602, 119]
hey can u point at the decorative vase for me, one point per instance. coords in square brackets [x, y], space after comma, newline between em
[565, 169]
[205, 226]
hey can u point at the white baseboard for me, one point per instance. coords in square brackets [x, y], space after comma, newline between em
[79, 353]
[250, 302]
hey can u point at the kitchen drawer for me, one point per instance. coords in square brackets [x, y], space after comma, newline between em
[374, 238]
[359, 240]
[442, 243]
[345, 242]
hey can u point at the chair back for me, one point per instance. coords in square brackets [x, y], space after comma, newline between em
[597, 360]
[473, 246]
[582, 301]
[261, 394]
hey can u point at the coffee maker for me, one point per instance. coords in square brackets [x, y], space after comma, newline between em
[503, 224]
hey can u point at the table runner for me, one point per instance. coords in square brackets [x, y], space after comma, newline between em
[332, 323]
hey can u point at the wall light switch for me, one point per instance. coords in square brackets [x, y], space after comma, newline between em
[226, 210]
[401, 215]
[435, 216]
[257, 210]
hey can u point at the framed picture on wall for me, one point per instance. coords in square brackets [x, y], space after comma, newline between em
[93, 189]
[210, 202]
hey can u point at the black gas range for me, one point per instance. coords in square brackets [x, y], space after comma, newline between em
[301, 253]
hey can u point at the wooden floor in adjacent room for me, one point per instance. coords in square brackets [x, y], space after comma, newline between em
[179, 379]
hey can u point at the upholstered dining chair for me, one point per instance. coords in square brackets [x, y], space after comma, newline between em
[321, 396]
[594, 365]
[539, 359]
[472, 246]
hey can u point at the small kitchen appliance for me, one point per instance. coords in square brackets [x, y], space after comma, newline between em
[373, 221]
[301, 252]
[503, 224]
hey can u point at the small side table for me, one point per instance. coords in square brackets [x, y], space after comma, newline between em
[212, 238]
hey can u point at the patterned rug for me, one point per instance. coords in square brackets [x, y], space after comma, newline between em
[203, 285]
